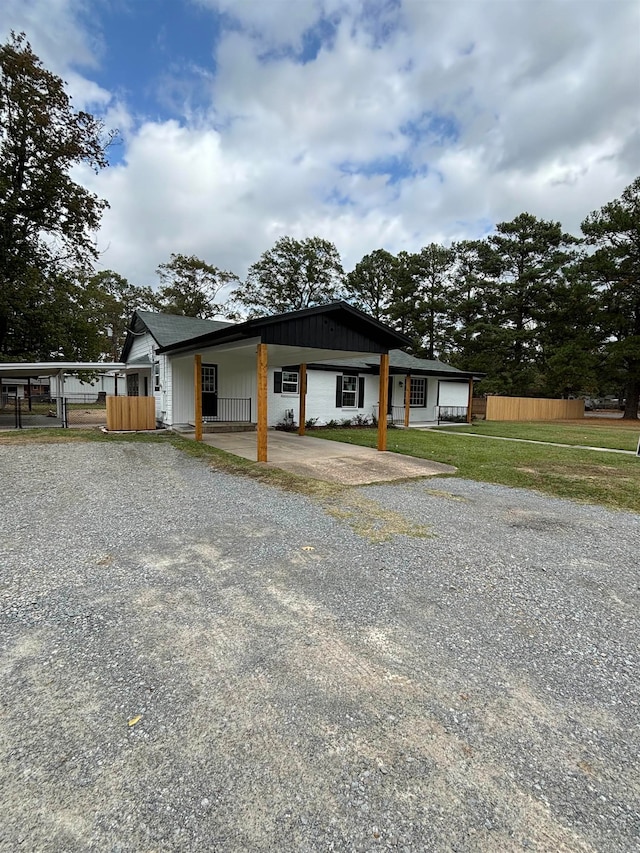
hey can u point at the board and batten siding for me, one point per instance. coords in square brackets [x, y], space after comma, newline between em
[236, 378]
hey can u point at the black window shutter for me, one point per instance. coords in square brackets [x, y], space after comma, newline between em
[338, 392]
[277, 382]
[361, 392]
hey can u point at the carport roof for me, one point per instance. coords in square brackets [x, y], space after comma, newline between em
[51, 368]
[336, 325]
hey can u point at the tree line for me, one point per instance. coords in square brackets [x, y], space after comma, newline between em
[538, 310]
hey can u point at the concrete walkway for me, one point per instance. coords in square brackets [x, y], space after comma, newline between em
[332, 461]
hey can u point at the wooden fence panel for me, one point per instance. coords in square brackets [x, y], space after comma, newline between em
[131, 413]
[533, 409]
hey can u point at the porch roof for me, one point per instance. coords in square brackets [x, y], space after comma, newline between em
[399, 362]
[335, 326]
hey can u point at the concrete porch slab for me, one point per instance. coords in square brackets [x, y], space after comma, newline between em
[332, 461]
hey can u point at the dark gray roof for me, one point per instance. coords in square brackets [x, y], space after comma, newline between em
[399, 362]
[168, 329]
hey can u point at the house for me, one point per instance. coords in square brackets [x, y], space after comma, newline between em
[334, 351]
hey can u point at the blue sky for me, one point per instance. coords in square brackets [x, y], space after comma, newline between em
[385, 123]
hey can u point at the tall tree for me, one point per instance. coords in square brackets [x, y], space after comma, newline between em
[293, 274]
[46, 218]
[433, 267]
[190, 287]
[522, 263]
[405, 306]
[614, 231]
[109, 301]
[370, 285]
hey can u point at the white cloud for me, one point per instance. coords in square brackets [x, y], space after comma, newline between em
[543, 98]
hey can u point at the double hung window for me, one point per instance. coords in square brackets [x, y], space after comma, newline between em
[418, 392]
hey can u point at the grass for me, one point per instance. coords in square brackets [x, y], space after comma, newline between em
[594, 432]
[609, 479]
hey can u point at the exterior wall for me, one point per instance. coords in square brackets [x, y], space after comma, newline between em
[236, 376]
[321, 399]
[144, 346]
[417, 414]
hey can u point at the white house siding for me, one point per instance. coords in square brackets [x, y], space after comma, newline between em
[144, 346]
[236, 373]
[321, 398]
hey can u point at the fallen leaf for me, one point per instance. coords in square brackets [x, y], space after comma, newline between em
[135, 720]
[308, 548]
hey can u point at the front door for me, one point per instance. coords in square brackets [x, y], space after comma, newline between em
[390, 396]
[209, 391]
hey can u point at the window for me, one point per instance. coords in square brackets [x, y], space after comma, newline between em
[289, 382]
[285, 382]
[208, 379]
[418, 392]
[132, 385]
[156, 375]
[349, 390]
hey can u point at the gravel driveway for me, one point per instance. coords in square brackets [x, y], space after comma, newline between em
[197, 662]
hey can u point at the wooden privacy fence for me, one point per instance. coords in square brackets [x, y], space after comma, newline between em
[129, 413]
[533, 409]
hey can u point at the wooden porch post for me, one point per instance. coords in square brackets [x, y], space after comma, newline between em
[197, 391]
[262, 402]
[302, 413]
[407, 398]
[382, 401]
[470, 403]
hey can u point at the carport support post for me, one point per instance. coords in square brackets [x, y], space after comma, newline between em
[197, 390]
[262, 402]
[382, 401]
[470, 403]
[60, 396]
[407, 398]
[302, 414]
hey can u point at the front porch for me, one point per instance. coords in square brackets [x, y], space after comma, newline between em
[240, 360]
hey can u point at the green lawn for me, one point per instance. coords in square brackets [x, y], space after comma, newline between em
[610, 479]
[618, 434]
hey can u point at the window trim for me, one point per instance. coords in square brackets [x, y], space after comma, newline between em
[295, 373]
[353, 391]
[420, 382]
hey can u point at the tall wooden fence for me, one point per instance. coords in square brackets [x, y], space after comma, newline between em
[533, 409]
[131, 413]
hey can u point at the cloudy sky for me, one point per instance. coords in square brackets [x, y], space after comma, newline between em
[383, 123]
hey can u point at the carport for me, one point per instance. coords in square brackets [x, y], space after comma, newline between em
[45, 369]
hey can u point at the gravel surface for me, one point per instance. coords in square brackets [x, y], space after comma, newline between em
[197, 662]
